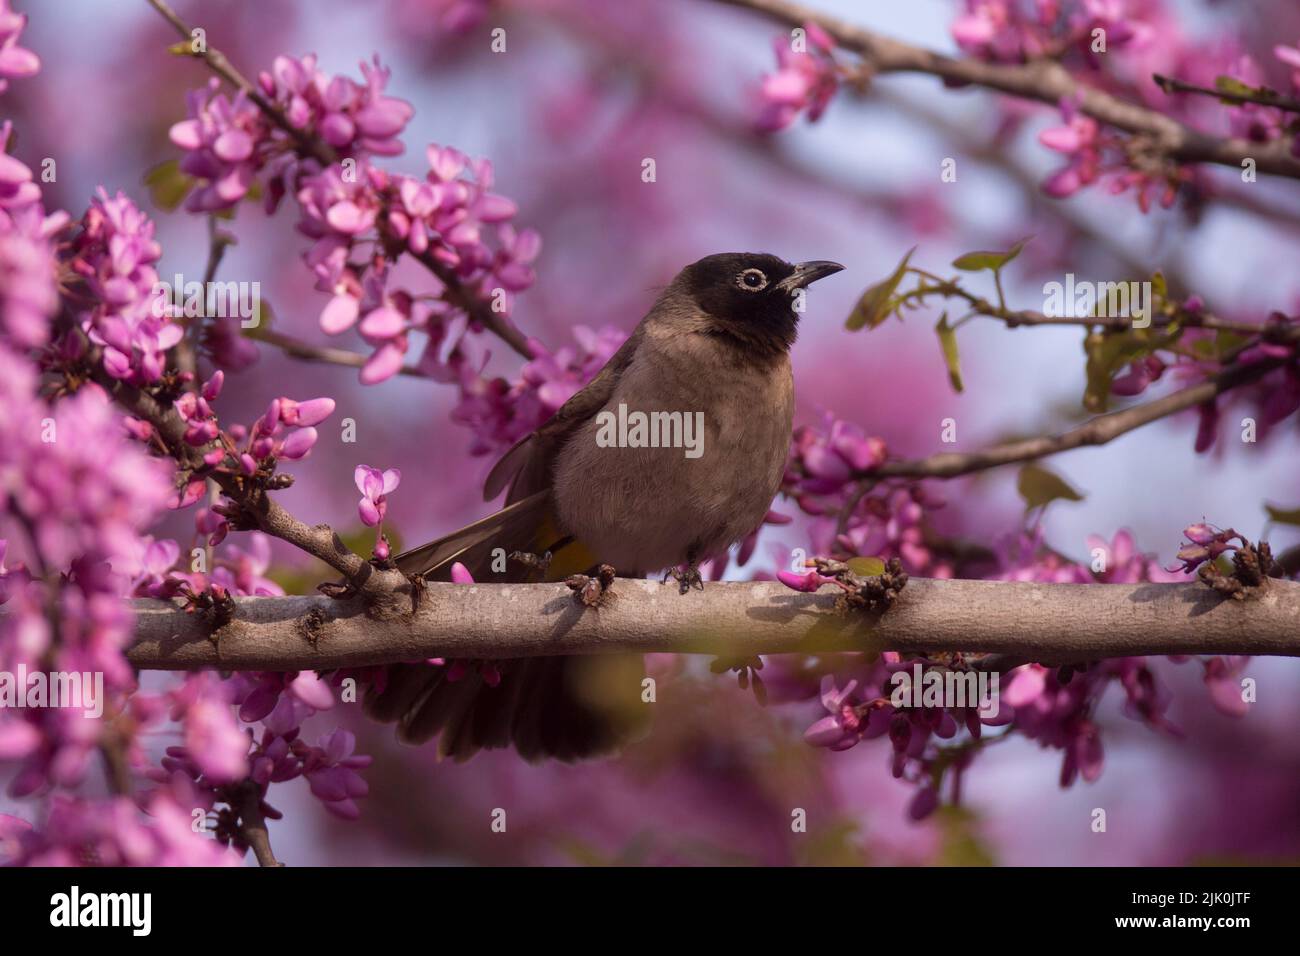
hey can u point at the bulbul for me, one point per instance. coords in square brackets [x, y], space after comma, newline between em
[710, 358]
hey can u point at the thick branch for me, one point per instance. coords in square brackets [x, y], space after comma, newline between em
[1045, 81]
[1056, 623]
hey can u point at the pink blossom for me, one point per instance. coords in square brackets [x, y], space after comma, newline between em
[331, 770]
[808, 582]
[130, 318]
[804, 80]
[16, 62]
[375, 487]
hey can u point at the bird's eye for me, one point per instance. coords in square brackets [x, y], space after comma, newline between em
[752, 280]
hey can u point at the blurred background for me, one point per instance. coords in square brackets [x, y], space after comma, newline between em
[584, 92]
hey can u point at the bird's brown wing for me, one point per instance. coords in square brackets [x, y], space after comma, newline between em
[562, 707]
[526, 468]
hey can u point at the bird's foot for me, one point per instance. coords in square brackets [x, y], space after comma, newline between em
[686, 578]
[591, 590]
[538, 562]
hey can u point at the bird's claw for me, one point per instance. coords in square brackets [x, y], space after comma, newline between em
[686, 579]
[591, 590]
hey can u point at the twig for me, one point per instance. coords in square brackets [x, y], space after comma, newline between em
[1096, 431]
[252, 825]
[952, 289]
[1269, 98]
[305, 351]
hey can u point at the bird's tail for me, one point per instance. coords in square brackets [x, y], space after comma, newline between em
[563, 707]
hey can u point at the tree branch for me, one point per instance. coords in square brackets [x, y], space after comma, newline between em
[1096, 431]
[1045, 81]
[1053, 623]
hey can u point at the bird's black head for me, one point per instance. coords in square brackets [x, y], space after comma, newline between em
[751, 296]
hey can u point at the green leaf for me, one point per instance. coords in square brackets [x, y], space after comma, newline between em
[867, 567]
[975, 261]
[1233, 86]
[1282, 515]
[1107, 353]
[876, 303]
[948, 343]
[182, 48]
[1159, 285]
[1040, 487]
[168, 186]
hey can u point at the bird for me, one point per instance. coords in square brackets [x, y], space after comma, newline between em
[586, 493]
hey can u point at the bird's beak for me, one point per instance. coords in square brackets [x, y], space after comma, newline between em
[806, 273]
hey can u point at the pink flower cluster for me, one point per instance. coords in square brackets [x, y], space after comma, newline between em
[1094, 153]
[215, 757]
[284, 431]
[80, 498]
[1051, 707]
[1275, 396]
[859, 708]
[825, 467]
[114, 254]
[217, 753]
[806, 79]
[16, 62]
[362, 219]
[28, 270]
[1058, 714]
[111, 832]
[450, 220]
[228, 140]
[501, 412]
[1013, 31]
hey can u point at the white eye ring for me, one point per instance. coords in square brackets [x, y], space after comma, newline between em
[743, 280]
